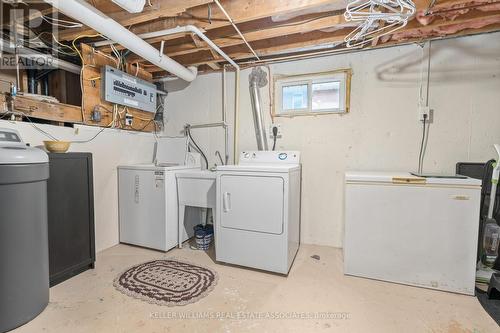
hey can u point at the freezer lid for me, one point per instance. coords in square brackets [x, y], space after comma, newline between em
[403, 177]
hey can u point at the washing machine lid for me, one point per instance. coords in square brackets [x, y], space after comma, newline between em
[171, 151]
[14, 151]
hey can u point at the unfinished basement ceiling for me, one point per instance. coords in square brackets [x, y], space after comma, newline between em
[273, 28]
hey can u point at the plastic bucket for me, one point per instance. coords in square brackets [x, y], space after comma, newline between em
[203, 236]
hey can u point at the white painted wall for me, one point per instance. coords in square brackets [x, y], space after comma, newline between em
[381, 132]
[110, 149]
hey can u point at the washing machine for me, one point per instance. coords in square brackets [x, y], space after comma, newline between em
[258, 211]
[147, 195]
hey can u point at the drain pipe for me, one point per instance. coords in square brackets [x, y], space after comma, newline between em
[100, 22]
[178, 30]
[224, 114]
[236, 126]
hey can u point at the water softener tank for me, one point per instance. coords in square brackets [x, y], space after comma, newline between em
[24, 257]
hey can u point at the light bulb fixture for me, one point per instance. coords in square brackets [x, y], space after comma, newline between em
[131, 6]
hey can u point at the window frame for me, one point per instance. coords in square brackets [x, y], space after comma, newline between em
[280, 81]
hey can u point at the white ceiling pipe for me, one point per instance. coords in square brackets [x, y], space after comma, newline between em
[41, 59]
[177, 30]
[100, 22]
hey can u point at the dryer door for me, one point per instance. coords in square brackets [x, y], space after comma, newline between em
[253, 203]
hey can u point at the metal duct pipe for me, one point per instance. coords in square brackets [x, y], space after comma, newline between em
[95, 19]
[258, 79]
[32, 83]
[45, 85]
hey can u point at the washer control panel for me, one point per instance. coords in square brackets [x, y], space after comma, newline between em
[270, 157]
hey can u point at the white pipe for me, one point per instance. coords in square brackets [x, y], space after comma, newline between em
[42, 59]
[95, 19]
[178, 30]
[236, 127]
[224, 115]
[236, 28]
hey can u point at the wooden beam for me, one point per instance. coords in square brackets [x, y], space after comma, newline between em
[198, 43]
[214, 66]
[49, 111]
[161, 10]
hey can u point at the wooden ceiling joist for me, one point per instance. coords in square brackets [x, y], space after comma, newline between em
[240, 11]
[265, 47]
[161, 9]
[259, 30]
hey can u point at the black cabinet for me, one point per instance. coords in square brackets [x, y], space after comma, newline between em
[70, 215]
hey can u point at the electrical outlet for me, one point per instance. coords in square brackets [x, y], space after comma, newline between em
[129, 119]
[424, 111]
[279, 136]
[95, 115]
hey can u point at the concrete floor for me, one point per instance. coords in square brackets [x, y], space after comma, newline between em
[89, 302]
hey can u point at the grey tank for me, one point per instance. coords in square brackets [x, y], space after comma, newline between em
[24, 260]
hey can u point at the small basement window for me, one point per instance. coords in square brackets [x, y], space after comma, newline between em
[312, 94]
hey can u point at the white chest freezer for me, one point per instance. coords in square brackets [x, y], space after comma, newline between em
[411, 230]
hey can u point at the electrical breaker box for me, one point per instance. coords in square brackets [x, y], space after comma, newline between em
[124, 89]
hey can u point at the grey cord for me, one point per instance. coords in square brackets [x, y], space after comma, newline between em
[422, 147]
[188, 130]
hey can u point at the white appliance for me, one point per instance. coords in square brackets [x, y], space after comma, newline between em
[411, 230]
[148, 210]
[258, 210]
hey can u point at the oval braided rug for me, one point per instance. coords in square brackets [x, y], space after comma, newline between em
[167, 282]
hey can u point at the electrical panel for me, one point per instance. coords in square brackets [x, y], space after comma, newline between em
[124, 89]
